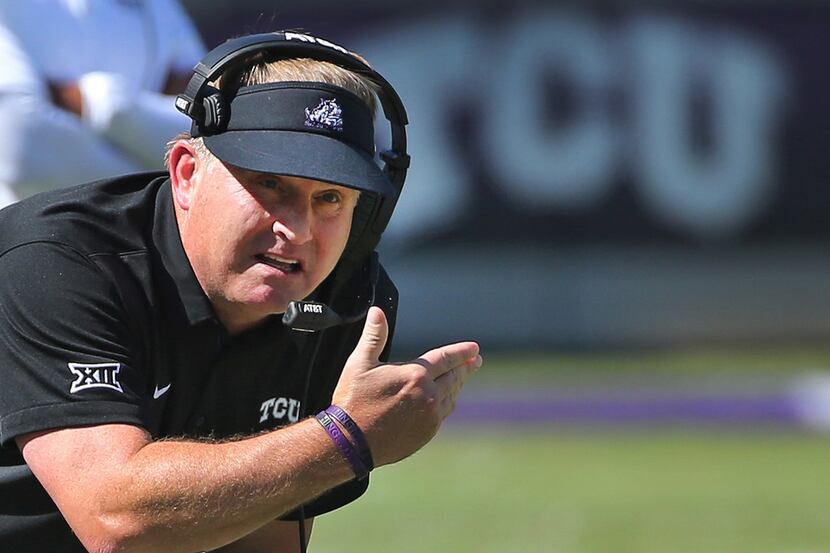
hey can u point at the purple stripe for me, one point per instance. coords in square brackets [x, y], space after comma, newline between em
[631, 409]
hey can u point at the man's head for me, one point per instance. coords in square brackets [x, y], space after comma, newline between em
[265, 204]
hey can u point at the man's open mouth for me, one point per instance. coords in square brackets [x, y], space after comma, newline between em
[281, 263]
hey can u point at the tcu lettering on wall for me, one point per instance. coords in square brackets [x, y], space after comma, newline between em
[628, 120]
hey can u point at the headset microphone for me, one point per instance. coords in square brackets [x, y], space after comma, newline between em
[312, 316]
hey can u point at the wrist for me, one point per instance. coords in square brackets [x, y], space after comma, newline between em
[347, 450]
[354, 431]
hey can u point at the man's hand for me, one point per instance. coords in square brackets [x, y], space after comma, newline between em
[400, 407]
[66, 95]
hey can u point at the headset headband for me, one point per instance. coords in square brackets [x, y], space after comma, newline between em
[292, 45]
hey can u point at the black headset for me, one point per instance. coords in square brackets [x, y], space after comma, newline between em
[207, 107]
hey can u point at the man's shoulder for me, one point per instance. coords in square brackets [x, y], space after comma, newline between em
[104, 216]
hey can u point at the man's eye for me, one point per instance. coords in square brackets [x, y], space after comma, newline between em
[270, 184]
[330, 197]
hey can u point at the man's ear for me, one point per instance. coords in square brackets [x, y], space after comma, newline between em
[184, 166]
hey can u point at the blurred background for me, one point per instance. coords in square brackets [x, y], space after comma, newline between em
[610, 175]
[626, 204]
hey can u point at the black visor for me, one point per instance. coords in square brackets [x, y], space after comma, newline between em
[301, 129]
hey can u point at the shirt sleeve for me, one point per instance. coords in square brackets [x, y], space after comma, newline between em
[67, 356]
[43, 147]
[124, 125]
[141, 121]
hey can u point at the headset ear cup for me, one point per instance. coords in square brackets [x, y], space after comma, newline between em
[216, 112]
[358, 245]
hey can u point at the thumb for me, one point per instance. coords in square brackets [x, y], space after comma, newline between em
[372, 341]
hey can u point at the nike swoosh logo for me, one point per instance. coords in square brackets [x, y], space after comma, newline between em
[158, 392]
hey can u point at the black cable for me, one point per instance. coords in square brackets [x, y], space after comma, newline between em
[374, 269]
[318, 339]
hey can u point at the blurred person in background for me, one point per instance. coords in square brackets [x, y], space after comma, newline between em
[84, 91]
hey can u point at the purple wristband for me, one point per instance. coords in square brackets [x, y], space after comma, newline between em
[343, 445]
[355, 432]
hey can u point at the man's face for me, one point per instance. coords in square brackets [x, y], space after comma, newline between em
[257, 241]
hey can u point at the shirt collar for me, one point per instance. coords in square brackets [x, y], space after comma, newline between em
[194, 303]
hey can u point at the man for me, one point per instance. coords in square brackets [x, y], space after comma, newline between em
[89, 81]
[150, 399]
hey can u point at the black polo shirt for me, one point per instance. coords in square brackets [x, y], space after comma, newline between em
[103, 321]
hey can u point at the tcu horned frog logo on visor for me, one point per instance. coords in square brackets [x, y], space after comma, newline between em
[327, 115]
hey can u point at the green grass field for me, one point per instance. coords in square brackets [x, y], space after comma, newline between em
[594, 492]
[638, 490]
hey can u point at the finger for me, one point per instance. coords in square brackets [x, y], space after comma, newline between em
[440, 360]
[450, 383]
[448, 401]
[447, 407]
[374, 336]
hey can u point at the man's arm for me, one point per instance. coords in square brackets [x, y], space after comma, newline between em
[137, 122]
[94, 121]
[35, 129]
[120, 491]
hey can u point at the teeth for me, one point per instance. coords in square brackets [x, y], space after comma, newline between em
[279, 259]
[283, 263]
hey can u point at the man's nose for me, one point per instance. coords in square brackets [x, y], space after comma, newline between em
[293, 225]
